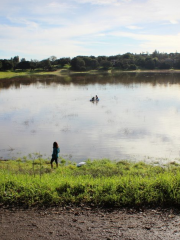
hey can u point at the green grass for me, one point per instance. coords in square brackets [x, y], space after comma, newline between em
[98, 183]
[66, 71]
[11, 74]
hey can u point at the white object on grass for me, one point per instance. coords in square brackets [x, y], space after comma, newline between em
[80, 164]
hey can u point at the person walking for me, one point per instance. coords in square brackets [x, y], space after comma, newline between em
[56, 150]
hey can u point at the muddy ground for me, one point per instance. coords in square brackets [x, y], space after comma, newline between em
[91, 224]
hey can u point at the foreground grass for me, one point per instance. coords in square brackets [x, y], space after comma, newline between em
[98, 183]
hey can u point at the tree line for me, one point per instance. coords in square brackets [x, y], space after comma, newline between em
[127, 61]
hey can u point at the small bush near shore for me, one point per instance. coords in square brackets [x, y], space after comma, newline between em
[97, 183]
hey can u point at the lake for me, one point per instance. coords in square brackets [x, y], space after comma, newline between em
[137, 117]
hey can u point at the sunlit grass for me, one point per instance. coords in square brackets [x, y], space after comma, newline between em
[11, 74]
[18, 73]
[66, 71]
[99, 183]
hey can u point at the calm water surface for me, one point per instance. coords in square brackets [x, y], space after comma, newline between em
[137, 117]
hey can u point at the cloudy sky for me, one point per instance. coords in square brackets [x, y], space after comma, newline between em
[38, 29]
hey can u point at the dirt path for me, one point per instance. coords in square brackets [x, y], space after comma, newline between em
[86, 223]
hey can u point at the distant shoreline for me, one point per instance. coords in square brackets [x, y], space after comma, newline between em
[63, 72]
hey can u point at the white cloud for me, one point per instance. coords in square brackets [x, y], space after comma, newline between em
[164, 43]
[165, 9]
[46, 42]
[48, 25]
[134, 27]
[104, 2]
[174, 21]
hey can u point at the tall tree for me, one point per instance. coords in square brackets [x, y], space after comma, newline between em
[106, 64]
[45, 64]
[78, 64]
[64, 61]
[149, 63]
[7, 64]
[52, 60]
[16, 60]
[23, 65]
[94, 64]
[34, 63]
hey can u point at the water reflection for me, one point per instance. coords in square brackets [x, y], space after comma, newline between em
[137, 116]
[126, 78]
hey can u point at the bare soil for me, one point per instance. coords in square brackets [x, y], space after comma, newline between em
[87, 223]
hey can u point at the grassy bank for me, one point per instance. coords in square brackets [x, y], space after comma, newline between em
[98, 183]
[11, 74]
[61, 72]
